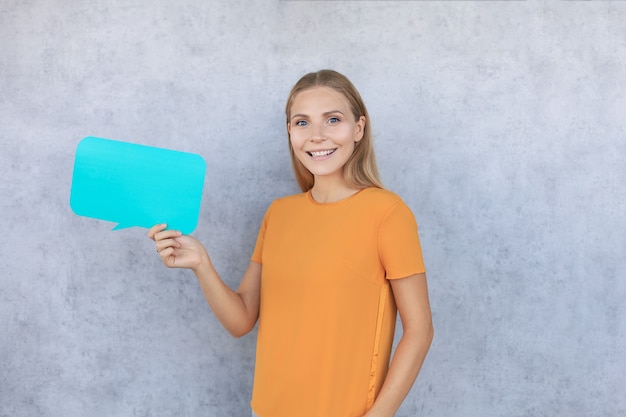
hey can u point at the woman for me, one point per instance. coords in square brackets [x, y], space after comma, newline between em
[330, 267]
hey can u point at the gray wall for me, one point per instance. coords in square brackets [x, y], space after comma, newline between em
[500, 123]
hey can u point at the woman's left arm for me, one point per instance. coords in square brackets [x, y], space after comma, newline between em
[411, 295]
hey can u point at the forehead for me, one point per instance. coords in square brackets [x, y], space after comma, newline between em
[320, 99]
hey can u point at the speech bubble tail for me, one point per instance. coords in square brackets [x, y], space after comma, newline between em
[121, 226]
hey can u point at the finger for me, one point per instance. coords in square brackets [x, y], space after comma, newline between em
[161, 245]
[166, 254]
[155, 229]
[166, 234]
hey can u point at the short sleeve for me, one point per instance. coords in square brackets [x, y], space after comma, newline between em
[398, 243]
[257, 253]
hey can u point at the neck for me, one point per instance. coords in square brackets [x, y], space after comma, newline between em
[331, 191]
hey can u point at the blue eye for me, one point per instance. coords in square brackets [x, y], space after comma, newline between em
[333, 120]
[301, 123]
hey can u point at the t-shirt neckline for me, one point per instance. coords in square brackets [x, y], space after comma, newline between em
[333, 203]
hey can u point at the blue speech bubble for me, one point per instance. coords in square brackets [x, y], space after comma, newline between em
[137, 185]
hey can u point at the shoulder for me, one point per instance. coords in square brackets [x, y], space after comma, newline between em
[381, 198]
[288, 202]
[388, 206]
[381, 194]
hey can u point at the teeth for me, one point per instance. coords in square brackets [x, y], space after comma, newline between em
[322, 153]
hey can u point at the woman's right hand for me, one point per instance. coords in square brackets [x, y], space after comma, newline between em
[177, 250]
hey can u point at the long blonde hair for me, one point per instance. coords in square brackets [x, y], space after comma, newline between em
[361, 170]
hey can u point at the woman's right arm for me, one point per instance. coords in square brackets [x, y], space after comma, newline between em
[238, 310]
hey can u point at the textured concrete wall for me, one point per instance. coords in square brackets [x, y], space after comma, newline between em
[500, 123]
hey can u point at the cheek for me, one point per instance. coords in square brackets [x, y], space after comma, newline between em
[350, 133]
[296, 139]
[299, 155]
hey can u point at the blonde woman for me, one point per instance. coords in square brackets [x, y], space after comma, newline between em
[331, 267]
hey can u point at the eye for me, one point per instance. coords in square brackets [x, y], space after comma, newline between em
[301, 123]
[333, 120]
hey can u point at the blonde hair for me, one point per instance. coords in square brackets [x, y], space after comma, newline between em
[360, 171]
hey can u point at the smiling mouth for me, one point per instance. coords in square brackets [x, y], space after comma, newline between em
[327, 152]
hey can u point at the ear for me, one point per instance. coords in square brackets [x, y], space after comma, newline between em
[360, 129]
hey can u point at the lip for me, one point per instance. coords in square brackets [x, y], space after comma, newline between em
[321, 153]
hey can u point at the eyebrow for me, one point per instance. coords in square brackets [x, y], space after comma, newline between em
[328, 113]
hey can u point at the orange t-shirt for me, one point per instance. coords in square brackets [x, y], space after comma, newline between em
[327, 317]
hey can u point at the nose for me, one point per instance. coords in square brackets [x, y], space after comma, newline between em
[317, 133]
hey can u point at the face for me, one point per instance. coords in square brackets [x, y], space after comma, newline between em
[323, 132]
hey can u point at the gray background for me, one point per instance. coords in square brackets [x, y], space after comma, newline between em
[501, 124]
